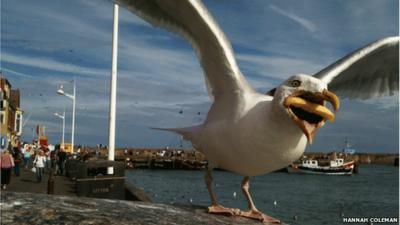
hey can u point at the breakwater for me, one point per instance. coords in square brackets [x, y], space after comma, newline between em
[191, 159]
[159, 158]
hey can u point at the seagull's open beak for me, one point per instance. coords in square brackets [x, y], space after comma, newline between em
[309, 112]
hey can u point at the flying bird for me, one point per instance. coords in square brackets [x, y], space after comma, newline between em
[253, 133]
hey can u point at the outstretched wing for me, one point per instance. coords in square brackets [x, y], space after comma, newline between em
[367, 72]
[191, 19]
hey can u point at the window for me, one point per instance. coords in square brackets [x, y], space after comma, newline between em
[18, 120]
[3, 104]
[2, 117]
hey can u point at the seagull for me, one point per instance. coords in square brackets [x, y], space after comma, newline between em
[252, 133]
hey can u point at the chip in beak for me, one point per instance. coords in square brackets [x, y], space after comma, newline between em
[309, 112]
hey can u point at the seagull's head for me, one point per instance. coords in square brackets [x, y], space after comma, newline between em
[304, 98]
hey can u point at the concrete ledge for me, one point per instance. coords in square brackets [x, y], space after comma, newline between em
[28, 208]
[134, 193]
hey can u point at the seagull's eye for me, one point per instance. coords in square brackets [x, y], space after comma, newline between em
[296, 83]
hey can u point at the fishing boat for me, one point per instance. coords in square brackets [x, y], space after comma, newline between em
[311, 166]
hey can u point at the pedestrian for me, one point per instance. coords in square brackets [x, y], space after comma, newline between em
[27, 156]
[17, 160]
[39, 162]
[53, 158]
[6, 164]
[48, 159]
[23, 148]
[62, 157]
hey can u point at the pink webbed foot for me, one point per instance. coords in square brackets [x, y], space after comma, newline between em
[220, 210]
[257, 215]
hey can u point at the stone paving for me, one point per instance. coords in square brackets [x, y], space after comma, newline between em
[26, 182]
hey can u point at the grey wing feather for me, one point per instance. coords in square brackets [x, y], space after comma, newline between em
[191, 19]
[365, 73]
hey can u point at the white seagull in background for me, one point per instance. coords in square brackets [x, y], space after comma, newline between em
[252, 133]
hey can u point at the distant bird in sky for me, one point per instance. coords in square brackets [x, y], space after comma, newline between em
[252, 133]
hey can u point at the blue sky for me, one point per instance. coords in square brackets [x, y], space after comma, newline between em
[46, 43]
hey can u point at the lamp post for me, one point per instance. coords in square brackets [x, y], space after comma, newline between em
[113, 91]
[63, 126]
[60, 91]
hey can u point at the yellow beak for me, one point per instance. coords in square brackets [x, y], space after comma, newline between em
[316, 107]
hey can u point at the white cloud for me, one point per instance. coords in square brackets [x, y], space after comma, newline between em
[50, 64]
[310, 26]
[23, 75]
[384, 102]
[276, 66]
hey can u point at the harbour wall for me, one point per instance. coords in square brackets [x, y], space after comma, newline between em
[191, 159]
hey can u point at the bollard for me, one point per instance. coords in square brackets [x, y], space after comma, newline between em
[50, 183]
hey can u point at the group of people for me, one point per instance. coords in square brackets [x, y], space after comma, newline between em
[39, 158]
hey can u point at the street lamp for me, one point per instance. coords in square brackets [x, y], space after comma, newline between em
[113, 90]
[60, 91]
[63, 128]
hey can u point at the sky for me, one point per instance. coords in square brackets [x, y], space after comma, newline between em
[47, 43]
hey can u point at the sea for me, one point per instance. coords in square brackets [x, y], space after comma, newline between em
[292, 198]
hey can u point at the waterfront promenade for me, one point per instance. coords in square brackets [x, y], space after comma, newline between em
[26, 182]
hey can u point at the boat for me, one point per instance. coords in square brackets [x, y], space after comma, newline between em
[348, 149]
[311, 166]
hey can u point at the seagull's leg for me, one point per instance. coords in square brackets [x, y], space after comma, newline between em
[215, 208]
[253, 213]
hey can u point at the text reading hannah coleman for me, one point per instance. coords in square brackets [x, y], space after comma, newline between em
[370, 220]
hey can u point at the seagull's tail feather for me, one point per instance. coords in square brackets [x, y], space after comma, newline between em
[188, 133]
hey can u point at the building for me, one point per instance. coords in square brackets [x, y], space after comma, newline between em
[11, 114]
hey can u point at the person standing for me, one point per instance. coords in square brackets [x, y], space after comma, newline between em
[39, 162]
[62, 157]
[53, 158]
[17, 160]
[27, 156]
[6, 164]
[48, 159]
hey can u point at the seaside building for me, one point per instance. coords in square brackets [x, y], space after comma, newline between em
[11, 114]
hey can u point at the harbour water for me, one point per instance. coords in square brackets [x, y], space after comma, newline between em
[294, 198]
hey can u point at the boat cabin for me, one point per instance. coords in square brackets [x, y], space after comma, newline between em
[337, 162]
[311, 163]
